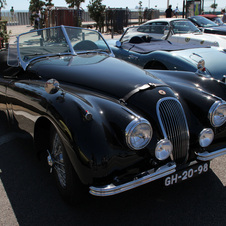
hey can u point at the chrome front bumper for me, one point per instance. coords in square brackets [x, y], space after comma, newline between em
[150, 176]
[206, 156]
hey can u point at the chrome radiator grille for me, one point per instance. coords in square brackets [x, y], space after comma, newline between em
[174, 127]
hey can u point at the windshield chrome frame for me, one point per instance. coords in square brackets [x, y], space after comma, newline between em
[24, 64]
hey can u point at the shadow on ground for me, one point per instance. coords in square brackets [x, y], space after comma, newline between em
[35, 199]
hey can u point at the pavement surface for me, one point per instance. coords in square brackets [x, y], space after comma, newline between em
[16, 30]
[28, 196]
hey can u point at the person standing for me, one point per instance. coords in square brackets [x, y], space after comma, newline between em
[176, 11]
[224, 15]
[12, 13]
[37, 20]
[169, 12]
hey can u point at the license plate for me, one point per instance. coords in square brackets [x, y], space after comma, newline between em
[187, 173]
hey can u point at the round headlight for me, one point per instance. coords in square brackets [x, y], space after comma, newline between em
[138, 134]
[163, 149]
[206, 137]
[217, 114]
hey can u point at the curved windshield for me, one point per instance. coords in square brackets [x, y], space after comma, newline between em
[84, 40]
[183, 27]
[61, 40]
[41, 43]
[203, 22]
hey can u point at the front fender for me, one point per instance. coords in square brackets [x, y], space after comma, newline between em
[93, 144]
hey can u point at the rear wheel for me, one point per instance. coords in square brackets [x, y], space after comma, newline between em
[68, 182]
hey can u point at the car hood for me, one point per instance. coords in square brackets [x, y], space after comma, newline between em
[200, 38]
[214, 59]
[97, 72]
[220, 30]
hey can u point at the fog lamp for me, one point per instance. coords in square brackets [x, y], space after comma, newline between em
[163, 149]
[206, 137]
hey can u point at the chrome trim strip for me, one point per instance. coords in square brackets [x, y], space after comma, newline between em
[206, 156]
[112, 189]
[68, 39]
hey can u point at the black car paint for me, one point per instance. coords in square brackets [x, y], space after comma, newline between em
[98, 88]
[30, 97]
[191, 86]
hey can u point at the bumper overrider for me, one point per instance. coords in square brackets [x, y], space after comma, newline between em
[151, 175]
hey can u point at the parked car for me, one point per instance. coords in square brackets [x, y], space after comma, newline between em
[215, 18]
[184, 31]
[141, 46]
[107, 125]
[208, 26]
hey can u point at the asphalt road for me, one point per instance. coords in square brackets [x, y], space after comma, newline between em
[28, 196]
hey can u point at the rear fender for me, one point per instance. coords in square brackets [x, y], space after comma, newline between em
[170, 61]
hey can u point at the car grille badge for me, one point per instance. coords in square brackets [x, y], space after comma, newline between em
[162, 92]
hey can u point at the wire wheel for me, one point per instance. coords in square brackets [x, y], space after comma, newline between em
[58, 160]
[68, 182]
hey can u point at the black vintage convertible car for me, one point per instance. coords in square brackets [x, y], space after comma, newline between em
[105, 125]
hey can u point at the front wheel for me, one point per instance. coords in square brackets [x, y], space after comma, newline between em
[68, 182]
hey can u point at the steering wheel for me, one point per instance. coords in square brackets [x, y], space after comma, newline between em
[85, 45]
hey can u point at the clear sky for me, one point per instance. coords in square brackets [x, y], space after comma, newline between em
[131, 4]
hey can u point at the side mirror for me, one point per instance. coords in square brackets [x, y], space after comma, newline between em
[52, 86]
[118, 44]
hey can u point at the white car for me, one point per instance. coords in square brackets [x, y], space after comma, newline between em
[182, 31]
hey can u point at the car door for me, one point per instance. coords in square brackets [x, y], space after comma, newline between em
[26, 101]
